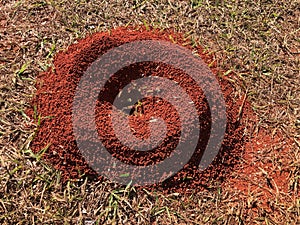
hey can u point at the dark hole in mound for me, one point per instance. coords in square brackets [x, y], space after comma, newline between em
[140, 114]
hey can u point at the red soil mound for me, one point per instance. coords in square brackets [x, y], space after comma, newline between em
[55, 93]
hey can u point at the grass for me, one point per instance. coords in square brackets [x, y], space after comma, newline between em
[258, 40]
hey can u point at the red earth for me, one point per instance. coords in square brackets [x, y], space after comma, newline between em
[53, 104]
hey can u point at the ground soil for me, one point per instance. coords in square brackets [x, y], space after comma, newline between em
[55, 93]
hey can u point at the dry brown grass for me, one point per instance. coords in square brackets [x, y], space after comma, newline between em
[258, 40]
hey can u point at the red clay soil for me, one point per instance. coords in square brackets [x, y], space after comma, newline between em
[55, 93]
[259, 176]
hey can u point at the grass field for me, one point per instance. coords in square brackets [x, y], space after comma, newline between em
[259, 41]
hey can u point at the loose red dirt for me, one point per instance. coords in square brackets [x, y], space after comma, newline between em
[55, 93]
